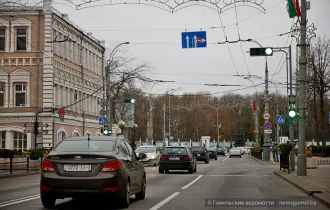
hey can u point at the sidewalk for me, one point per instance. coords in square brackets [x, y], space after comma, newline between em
[316, 183]
[271, 162]
[17, 174]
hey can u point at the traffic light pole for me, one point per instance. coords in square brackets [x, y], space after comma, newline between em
[291, 120]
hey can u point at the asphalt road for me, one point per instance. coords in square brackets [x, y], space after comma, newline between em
[226, 178]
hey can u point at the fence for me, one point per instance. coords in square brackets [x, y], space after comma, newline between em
[19, 164]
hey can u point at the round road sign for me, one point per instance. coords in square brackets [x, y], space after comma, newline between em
[266, 116]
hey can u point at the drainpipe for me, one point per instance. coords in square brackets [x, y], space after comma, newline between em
[36, 124]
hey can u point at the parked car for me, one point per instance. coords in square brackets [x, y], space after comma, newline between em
[221, 151]
[200, 153]
[92, 165]
[177, 158]
[212, 153]
[153, 155]
[235, 152]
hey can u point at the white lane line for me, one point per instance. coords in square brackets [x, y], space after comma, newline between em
[191, 183]
[238, 175]
[225, 158]
[19, 200]
[163, 202]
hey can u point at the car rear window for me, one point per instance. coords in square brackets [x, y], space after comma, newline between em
[197, 149]
[85, 146]
[175, 150]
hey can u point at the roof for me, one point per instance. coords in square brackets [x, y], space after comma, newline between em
[98, 138]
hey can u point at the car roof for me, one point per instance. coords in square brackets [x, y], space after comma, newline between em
[93, 138]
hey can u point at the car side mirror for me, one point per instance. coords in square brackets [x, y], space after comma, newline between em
[142, 156]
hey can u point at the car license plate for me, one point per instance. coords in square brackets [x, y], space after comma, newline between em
[77, 167]
[174, 158]
[198, 154]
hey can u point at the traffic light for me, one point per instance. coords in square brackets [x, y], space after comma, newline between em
[292, 106]
[263, 51]
[130, 100]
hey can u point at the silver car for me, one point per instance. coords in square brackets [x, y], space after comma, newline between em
[235, 152]
[153, 156]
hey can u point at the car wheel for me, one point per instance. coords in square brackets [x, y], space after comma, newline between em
[191, 170]
[240, 156]
[124, 200]
[161, 171]
[167, 171]
[48, 201]
[230, 156]
[142, 194]
[224, 155]
[215, 158]
[207, 161]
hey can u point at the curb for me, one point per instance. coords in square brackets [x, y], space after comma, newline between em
[259, 161]
[19, 174]
[317, 196]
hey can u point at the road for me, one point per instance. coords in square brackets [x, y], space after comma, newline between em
[225, 178]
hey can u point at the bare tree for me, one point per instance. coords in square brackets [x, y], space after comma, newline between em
[319, 80]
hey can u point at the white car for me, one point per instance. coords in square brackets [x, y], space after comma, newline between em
[235, 152]
[153, 156]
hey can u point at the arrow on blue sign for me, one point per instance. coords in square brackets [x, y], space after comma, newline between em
[280, 119]
[195, 39]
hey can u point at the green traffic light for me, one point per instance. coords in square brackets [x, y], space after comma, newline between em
[292, 113]
[263, 51]
[133, 100]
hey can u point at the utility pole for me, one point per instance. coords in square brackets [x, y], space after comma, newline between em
[266, 145]
[302, 97]
[291, 127]
[169, 117]
[164, 120]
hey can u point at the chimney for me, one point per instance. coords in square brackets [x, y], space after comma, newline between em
[65, 16]
[47, 5]
[89, 35]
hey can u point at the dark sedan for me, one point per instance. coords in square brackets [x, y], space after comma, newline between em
[212, 153]
[221, 152]
[201, 154]
[177, 158]
[93, 165]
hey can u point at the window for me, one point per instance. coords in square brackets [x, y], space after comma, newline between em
[2, 38]
[85, 146]
[176, 150]
[123, 148]
[21, 39]
[20, 94]
[130, 150]
[76, 134]
[146, 149]
[61, 136]
[20, 141]
[2, 93]
[3, 139]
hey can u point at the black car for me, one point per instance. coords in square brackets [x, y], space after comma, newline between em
[177, 158]
[212, 153]
[201, 154]
[221, 152]
[92, 165]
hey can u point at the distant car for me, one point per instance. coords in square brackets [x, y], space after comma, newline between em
[212, 153]
[94, 165]
[221, 151]
[200, 153]
[177, 158]
[235, 152]
[153, 155]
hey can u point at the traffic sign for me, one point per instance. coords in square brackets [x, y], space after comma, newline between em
[194, 39]
[102, 120]
[268, 125]
[267, 131]
[280, 119]
[266, 116]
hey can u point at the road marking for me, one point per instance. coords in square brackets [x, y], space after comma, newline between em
[19, 200]
[225, 158]
[238, 175]
[191, 183]
[163, 202]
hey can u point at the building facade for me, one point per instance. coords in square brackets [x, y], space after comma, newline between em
[47, 63]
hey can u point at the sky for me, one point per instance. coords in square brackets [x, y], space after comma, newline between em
[155, 38]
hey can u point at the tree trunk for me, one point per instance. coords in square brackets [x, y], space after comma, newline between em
[316, 134]
[322, 118]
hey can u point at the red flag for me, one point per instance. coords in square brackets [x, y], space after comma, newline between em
[254, 106]
[61, 114]
[296, 5]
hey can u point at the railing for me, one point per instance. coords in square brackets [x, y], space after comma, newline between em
[19, 164]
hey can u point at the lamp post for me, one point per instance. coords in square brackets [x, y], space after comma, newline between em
[135, 127]
[108, 102]
[121, 125]
[169, 113]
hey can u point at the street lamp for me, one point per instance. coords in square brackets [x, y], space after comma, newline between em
[169, 112]
[135, 127]
[121, 125]
[108, 102]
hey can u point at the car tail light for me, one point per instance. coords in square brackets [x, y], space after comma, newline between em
[162, 158]
[205, 153]
[112, 166]
[43, 188]
[187, 158]
[111, 189]
[47, 166]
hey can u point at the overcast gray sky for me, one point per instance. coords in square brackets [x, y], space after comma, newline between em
[143, 26]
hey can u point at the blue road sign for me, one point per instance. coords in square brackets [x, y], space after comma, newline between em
[268, 125]
[194, 39]
[280, 119]
[102, 120]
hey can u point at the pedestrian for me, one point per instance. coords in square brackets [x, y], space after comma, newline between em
[273, 152]
[276, 154]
